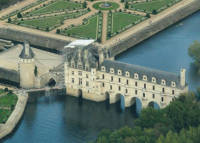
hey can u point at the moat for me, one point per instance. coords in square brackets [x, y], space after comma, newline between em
[66, 120]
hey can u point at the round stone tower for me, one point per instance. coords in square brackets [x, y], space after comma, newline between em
[27, 67]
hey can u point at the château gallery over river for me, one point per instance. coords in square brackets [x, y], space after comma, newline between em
[70, 69]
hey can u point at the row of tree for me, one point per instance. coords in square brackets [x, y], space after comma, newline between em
[177, 123]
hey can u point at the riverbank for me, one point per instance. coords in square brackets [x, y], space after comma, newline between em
[152, 26]
[16, 115]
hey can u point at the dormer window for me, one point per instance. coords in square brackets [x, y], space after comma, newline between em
[127, 74]
[153, 79]
[111, 70]
[136, 76]
[173, 84]
[119, 72]
[145, 77]
[103, 68]
[163, 82]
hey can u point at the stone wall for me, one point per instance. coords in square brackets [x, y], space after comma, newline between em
[155, 27]
[9, 77]
[34, 39]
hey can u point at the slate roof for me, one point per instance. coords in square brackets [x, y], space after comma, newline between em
[26, 52]
[73, 54]
[141, 71]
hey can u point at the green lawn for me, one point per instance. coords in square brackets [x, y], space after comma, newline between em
[152, 5]
[43, 23]
[4, 114]
[121, 20]
[88, 30]
[59, 5]
[8, 101]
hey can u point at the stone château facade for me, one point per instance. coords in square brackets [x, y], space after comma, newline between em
[90, 73]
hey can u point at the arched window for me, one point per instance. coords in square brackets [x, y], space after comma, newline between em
[145, 77]
[153, 79]
[136, 76]
[163, 82]
[127, 74]
[119, 72]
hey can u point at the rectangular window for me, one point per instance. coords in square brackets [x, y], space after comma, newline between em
[145, 86]
[112, 78]
[72, 72]
[153, 87]
[72, 80]
[87, 83]
[119, 80]
[86, 75]
[119, 88]
[80, 73]
[102, 76]
[135, 92]
[163, 90]
[110, 87]
[173, 92]
[153, 96]
[127, 81]
[144, 95]
[136, 84]
[80, 81]
[162, 99]
[103, 84]
[126, 90]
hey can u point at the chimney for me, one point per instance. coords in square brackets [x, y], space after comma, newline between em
[182, 77]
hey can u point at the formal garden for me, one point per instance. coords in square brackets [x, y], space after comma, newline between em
[152, 6]
[91, 28]
[8, 101]
[56, 6]
[121, 21]
[48, 23]
[86, 19]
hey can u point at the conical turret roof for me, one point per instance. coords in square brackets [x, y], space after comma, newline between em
[26, 52]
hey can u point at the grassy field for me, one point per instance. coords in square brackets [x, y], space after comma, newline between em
[7, 104]
[88, 30]
[59, 5]
[152, 5]
[121, 20]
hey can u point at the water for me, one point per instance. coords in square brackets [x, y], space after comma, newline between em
[62, 119]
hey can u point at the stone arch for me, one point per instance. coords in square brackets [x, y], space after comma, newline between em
[154, 105]
[107, 97]
[80, 93]
[52, 82]
[49, 78]
[136, 104]
[121, 101]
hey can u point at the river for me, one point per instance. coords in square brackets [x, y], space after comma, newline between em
[63, 119]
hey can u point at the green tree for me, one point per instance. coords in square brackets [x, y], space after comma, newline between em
[58, 31]
[19, 15]
[84, 4]
[9, 20]
[194, 52]
[126, 5]
[154, 11]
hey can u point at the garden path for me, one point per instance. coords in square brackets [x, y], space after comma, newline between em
[104, 28]
[78, 20]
